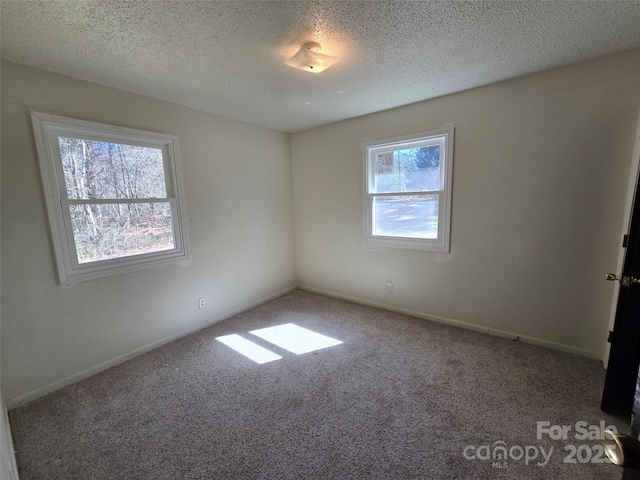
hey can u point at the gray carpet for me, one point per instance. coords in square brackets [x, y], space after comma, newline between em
[401, 398]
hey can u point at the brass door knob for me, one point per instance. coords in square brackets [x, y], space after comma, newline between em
[625, 452]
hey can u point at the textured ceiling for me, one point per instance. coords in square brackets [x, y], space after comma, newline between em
[228, 57]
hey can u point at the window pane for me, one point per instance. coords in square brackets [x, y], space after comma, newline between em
[408, 170]
[413, 216]
[103, 232]
[102, 170]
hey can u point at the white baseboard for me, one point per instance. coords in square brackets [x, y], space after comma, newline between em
[468, 326]
[30, 396]
[76, 377]
[9, 467]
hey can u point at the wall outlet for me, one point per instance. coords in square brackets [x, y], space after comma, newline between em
[202, 303]
[389, 286]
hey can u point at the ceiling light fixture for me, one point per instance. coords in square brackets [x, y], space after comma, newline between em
[310, 59]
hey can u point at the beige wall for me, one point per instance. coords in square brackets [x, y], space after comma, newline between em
[540, 177]
[239, 202]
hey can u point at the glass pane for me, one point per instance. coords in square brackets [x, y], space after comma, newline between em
[103, 232]
[408, 170]
[413, 216]
[103, 170]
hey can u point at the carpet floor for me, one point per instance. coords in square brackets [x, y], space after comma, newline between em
[399, 398]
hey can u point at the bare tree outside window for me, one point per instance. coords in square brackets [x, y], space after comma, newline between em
[109, 171]
[114, 195]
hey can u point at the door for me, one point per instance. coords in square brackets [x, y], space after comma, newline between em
[621, 395]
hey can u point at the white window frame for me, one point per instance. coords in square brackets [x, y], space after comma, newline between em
[47, 129]
[371, 149]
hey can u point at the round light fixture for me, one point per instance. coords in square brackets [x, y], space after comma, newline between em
[309, 59]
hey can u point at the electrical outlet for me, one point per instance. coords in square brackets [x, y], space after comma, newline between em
[201, 303]
[389, 286]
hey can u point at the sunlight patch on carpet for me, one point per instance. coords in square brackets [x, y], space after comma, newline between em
[295, 339]
[249, 349]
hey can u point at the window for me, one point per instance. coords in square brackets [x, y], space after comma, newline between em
[114, 197]
[408, 191]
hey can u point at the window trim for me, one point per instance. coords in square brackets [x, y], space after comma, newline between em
[47, 128]
[440, 244]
